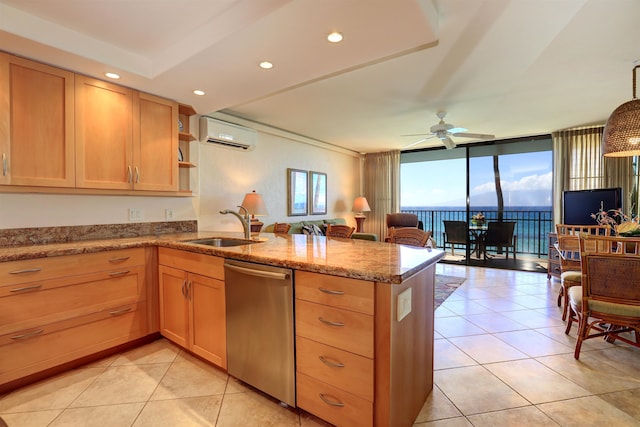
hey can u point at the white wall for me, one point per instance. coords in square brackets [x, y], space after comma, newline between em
[224, 177]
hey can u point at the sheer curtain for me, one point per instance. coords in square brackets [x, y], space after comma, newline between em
[578, 164]
[382, 189]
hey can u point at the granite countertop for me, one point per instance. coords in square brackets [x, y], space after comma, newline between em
[359, 259]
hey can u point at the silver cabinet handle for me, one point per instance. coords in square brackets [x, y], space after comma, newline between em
[26, 288]
[330, 363]
[121, 311]
[137, 175]
[328, 322]
[123, 258]
[4, 164]
[184, 288]
[27, 335]
[331, 292]
[129, 174]
[119, 273]
[332, 402]
[27, 270]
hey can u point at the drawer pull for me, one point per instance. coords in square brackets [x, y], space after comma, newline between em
[26, 288]
[329, 322]
[331, 292]
[27, 335]
[121, 311]
[119, 273]
[334, 402]
[27, 270]
[122, 258]
[330, 363]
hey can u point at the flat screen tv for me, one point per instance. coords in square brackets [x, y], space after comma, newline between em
[579, 205]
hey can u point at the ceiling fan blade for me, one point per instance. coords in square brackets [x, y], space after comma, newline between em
[417, 134]
[448, 143]
[418, 142]
[475, 135]
[457, 130]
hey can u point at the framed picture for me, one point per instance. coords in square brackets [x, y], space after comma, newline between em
[318, 193]
[297, 186]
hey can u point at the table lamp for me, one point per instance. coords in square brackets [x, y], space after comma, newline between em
[360, 205]
[254, 204]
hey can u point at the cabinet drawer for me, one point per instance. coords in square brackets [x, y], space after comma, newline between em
[555, 269]
[205, 265]
[26, 271]
[553, 254]
[343, 329]
[23, 306]
[66, 341]
[336, 367]
[333, 404]
[340, 292]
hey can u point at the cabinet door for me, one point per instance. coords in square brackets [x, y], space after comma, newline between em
[174, 308]
[155, 145]
[208, 333]
[104, 135]
[36, 124]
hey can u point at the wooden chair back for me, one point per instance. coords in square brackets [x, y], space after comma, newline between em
[610, 291]
[281, 227]
[338, 230]
[409, 236]
[568, 244]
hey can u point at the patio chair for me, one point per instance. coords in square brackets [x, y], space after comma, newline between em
[500, 235]
[608, 302]
[338, 230]
[455, 233]
[409, 236]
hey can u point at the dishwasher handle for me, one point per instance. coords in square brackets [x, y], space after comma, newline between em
[259, 273]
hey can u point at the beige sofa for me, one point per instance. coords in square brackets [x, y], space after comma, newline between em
[297, 227]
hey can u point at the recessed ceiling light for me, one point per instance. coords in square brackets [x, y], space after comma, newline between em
[335, 37]
[199, 92]
[112, 75]
[266, 65]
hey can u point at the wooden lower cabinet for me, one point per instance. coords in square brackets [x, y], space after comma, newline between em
[553, 267]
[335, 348]
[59, 309]
[192, 305]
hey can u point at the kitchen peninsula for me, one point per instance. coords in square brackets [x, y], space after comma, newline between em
[393, 300]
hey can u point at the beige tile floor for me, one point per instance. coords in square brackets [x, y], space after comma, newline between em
[501, 359]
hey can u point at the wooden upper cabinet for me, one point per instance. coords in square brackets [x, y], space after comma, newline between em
[155, 143]
[36, 124]
[104, 135]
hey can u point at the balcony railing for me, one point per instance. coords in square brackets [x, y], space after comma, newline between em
[532, 227]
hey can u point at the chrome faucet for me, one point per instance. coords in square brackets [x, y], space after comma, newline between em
[243, 219]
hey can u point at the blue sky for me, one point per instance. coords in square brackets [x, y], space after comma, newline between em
[526, 181]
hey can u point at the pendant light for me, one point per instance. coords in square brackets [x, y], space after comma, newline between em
[621, 136]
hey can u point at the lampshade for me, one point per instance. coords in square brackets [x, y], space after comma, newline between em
[621, 136]
[360, 205]
[254, 204]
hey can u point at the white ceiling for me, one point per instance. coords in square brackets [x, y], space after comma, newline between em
[506, 67]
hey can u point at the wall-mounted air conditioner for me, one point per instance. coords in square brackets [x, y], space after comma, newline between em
[225, 134]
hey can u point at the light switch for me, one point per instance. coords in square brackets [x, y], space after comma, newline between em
[404, 304]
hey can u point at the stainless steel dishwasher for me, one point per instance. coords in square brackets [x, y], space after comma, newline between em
[260, 330]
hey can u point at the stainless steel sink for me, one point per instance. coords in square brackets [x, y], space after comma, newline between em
[223, 242]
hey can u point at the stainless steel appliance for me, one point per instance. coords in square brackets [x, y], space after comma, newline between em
[260, 331]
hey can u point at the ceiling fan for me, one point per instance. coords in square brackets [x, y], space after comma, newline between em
[443, 131]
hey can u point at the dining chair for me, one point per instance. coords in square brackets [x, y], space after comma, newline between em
[338, 230]
[568, 247]
[409, 236]
[608, 302]
[401, 220]
[500, 235]
[455, 233]
[281, 227]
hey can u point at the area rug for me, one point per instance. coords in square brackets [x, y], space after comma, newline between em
[445, 285]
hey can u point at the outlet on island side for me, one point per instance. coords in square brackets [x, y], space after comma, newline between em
[135, 214]
[168, 214]
[404, 304]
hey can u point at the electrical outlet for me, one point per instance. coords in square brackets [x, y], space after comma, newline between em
[404, 304]
[135, 214]
[168, 214]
